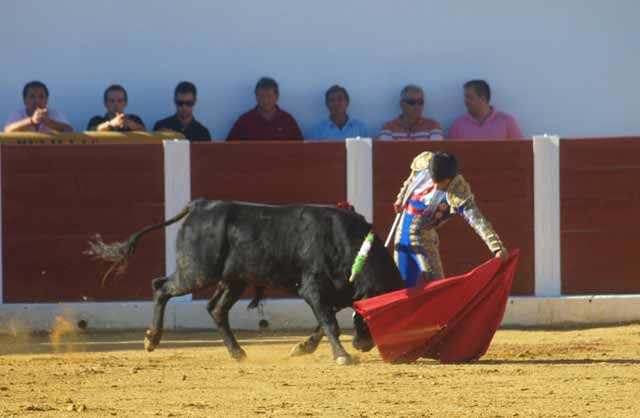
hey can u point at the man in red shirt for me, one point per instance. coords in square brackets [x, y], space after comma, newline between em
[266, 121]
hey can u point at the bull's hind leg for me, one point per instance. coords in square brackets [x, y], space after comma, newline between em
[164, 288]
[309, 345]
[225, 296]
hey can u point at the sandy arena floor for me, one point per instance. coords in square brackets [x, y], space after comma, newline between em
[526, 373]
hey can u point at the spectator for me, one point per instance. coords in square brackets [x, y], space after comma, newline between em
[115, 101]
[36, 116]
[266, 121]
[183, 121]
[338, 125]
[411, 124]
[482, 121]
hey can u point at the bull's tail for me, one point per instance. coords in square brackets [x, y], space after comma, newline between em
[118, 253]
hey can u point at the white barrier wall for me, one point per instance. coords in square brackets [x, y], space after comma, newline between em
[546, 192]
[562, 67]
[177, 193]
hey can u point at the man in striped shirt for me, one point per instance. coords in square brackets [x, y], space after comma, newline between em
[411, 124]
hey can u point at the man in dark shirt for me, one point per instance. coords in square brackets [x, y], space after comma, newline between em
[266, 121]
[183, 121]
[115, 101]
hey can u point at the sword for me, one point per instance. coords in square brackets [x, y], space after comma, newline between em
[405, 195]
[393, 228]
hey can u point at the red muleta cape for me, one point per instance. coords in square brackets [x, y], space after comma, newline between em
[452, 320]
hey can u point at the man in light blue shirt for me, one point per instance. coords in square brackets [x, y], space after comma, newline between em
[338, 125]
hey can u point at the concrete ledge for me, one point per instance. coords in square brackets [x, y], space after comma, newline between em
[294, 313]
[590, 309]
[281, 314]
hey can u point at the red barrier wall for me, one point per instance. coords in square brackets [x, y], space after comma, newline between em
[600, 204]
[501, 178]
[55, 197]
[269, 172]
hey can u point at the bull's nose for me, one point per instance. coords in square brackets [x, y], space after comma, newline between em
[362, 344]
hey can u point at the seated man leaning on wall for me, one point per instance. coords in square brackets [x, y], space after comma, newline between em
[339, 125]
[115, 101]
[184, 97]
[482, 121]
[411, 124]
[37, 116]
[266, 121]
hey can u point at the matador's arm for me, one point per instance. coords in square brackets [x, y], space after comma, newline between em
[462, 201]
[419, 163]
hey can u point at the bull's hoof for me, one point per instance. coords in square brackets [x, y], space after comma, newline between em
[344, 360]
[151, 340]
[149, 345]
[239, 354]
[300, 349]
[363, 345]
[297, 350]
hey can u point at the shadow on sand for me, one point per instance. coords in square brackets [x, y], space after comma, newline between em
[106, 341]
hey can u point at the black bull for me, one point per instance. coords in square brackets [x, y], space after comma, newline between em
[307, 249]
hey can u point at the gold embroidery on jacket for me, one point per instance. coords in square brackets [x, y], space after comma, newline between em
[458, 192]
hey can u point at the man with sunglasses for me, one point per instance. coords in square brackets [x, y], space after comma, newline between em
[183, 121]
[411, 124]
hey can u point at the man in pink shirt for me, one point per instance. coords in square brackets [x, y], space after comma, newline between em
[483, 121]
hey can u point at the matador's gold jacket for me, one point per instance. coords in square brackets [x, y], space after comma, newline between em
[432, 208]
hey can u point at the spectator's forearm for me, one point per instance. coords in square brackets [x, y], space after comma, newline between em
[58, 126]
[135, 126]
[104, 127]
[19, 126]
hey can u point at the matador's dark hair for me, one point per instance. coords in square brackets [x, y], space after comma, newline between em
[443, 166]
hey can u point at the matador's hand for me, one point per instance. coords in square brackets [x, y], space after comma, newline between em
[503, 254]
[397, 206]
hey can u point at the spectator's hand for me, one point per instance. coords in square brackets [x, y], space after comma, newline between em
[127, 122]
[119, 121]
[397, 206]
[39, 116]
[503, 254]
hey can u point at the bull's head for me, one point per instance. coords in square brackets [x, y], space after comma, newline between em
[362, 340]
[378, 275]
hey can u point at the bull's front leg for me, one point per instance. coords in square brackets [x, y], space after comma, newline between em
[320, 302]
[227, 294]
[309, 345]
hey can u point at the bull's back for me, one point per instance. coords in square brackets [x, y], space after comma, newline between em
[269, 245]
